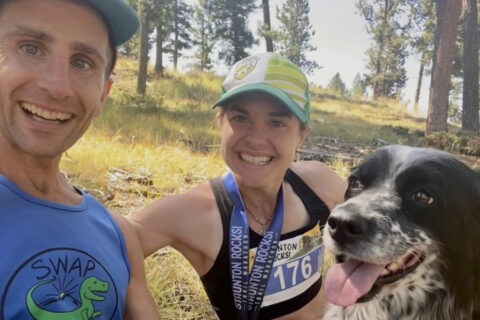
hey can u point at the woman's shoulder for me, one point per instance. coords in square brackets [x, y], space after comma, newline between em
[323, 180]
[199, 198]
[314, 172]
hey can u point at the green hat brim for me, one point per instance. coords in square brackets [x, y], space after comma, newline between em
[266, 88]
[119, 16]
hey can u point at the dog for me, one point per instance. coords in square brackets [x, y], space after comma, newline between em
[406, 239]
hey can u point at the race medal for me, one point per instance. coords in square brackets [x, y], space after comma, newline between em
[248, 288]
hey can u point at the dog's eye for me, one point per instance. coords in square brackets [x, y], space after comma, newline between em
[423, 197]
[354, 185]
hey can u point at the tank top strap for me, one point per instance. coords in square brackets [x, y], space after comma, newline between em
[309, 198]
[225, 207]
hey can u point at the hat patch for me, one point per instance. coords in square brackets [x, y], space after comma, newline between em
[245, 67]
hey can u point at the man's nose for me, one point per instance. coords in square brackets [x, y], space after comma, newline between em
[55, 78]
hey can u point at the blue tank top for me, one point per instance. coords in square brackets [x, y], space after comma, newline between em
[59, 261]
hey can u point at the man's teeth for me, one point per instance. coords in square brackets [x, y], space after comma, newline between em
[45, 114]
[255, 160]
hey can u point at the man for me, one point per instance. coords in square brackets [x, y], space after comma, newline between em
[62, 256]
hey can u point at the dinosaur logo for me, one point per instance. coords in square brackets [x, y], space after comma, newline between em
[60, 284]
[85, 311]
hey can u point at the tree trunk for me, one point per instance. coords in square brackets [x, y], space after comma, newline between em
[470, 69]
[159, 57]
[143, 63]
[448, 14]
[379, 78]
[176, 44]
[266, 21]
[419, 85]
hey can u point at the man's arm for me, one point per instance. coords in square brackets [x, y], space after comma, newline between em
[139, 303]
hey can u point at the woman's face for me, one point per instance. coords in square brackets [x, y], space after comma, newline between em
[259, 138]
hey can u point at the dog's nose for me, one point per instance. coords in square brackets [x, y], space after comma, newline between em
[347, 230]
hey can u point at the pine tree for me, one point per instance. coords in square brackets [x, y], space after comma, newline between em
[144, 12]
[470, 118]
[267, 26]
[421, 41]
[131, 48]
[447, 17]
[295, 34]
[359, 86]
[337, 85]
[203, 35]
[231, 21]
[386, 57]
[180, 38]
[163, 21]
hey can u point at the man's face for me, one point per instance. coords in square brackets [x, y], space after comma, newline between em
[53, 59]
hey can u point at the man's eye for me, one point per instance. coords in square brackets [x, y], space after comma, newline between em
[30, 49]
[80, 64]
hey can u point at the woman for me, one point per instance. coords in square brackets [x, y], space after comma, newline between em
[253, 235]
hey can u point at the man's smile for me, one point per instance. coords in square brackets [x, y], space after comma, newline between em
[45, 115]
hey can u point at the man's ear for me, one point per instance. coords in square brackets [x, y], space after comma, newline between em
[106, 91]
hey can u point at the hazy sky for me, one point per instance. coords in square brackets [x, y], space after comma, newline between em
[342, 41]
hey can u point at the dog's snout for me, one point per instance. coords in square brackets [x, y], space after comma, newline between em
[345, 230]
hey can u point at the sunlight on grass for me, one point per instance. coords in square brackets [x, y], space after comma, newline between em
[172, 166]
[176, 287]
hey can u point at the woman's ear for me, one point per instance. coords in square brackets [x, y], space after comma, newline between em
[303, 135]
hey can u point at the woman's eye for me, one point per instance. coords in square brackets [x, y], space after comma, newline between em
[277, 123]
[238, 118]
[423, 197]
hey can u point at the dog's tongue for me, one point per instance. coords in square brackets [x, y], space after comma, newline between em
[347, 281]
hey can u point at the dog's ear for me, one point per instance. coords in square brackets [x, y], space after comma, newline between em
[477, 249]
[463, 250]
[475, 226]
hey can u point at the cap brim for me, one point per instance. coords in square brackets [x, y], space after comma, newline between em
[121, 18]
[266, 88]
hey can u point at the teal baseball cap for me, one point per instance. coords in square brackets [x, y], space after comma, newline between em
[119, 16]
[272, 74]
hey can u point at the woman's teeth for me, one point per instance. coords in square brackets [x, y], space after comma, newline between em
[255, 160]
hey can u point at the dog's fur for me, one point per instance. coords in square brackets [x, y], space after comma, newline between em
[422, 202]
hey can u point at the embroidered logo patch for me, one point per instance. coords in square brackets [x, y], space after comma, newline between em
[245, 67]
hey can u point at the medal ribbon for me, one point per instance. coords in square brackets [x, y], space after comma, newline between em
[248, 288]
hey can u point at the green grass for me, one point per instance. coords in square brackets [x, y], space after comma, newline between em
[168, 138]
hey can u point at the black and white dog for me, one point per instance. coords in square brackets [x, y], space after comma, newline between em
[407, 239]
